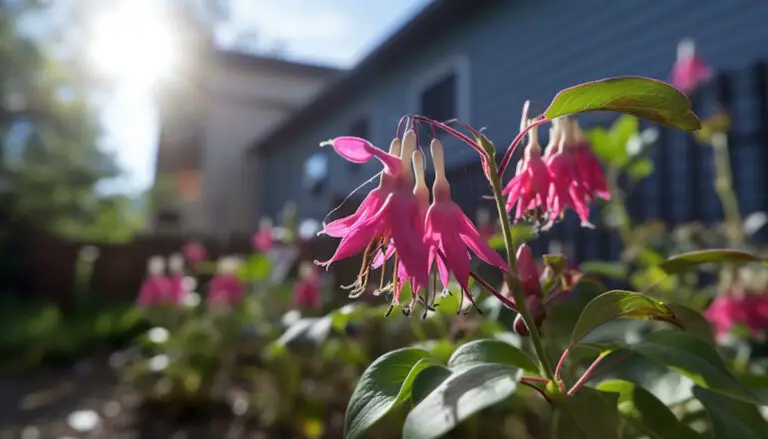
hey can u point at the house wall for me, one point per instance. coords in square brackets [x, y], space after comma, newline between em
[517, 50]
[243, 106]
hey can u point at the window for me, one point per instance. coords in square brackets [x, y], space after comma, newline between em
[442, 93]
[359, 128]
[438, 100]
[316, 173]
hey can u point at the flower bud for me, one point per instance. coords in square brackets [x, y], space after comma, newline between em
[535, 309]
[527, 271]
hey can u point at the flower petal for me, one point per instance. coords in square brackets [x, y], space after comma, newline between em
[359, 150]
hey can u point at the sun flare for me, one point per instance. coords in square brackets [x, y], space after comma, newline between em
[132, 45]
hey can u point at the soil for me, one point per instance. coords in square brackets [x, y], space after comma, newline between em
[45, 404]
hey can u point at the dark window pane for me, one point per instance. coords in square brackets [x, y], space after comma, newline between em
[438, 101]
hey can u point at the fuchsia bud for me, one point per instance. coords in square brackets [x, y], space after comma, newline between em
[528, 272]
[534, 307]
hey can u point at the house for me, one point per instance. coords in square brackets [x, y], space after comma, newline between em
[479, 61]
[208, 122]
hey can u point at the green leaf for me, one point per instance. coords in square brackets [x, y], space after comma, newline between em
[383, 386]
[690, 356]
[642, 97]
[688, 260]
[731, 418]
[490, 351]
[639, 169]
[256, 268]
[427, 381]
[692, 322]
[649, 415]
[589, 414]
[457, 398]
[612, 270]
[615, 304]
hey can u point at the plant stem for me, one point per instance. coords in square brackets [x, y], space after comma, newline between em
[724, 188]
[514, 283]
[587, 375]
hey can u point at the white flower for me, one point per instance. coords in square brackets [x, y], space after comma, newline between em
[176, 263]
[158, 335]
[156, 265]
[192, 299]
[83, 420]
[158, 362]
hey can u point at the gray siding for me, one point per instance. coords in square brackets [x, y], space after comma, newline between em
[521, 50]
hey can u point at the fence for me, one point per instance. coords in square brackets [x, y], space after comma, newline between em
[681, 188]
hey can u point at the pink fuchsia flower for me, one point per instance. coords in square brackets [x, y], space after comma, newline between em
[262, 240]
[566, 188]
[529, 189]
[689, 71]
[194, 252]
[225, 288]
[588, 166]
[449, 232]
[156, 288]
[388, 217]
[728, 310]
[421, 191]
[307, 292]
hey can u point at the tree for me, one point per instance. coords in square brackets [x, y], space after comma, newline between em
[50, 160]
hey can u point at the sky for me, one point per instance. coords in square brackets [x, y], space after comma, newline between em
[334, 32]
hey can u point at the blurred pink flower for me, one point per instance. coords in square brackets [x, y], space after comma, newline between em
[689, 71]
[262, 240]
[156, 290]
[727, 310]
[225, 288]
[176, 291]
[194, 252]
[307, 292]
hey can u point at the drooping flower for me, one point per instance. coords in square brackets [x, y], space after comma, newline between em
[449, 233]
[389, 217]
[529, 189]
[588, 166]
[262, 240]
[225, 288]
[566, 188]
[194, 252]
[156, 288]
[307, 292]
[689, 71]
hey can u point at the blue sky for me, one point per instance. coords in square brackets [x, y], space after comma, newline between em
[336, 32]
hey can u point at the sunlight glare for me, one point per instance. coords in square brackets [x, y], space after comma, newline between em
[132, 45]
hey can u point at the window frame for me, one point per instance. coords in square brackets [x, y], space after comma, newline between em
[456, 64]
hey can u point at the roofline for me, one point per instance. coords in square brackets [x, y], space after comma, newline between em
[251, 61]
[434, 16]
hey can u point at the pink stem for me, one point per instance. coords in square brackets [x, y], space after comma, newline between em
[452, 132]
[513, 146]
[508, 303]
[587, 375]
[538, 380]
[559, 368]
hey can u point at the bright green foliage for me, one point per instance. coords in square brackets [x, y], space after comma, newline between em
[642, 97]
